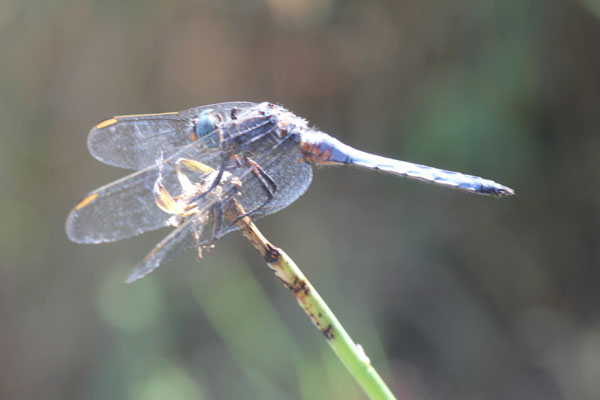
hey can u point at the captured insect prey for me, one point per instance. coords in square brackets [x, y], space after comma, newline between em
[191, 165]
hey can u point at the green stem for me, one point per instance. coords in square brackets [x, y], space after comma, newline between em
[352, 355]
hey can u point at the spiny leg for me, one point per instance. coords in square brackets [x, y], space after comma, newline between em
[261, 174]
[267, 183]
[286, 140]
[264, 177]
[220, 174]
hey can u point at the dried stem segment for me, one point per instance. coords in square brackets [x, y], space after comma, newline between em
[351, 354]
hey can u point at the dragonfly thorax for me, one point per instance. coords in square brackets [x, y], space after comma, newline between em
[288, 123]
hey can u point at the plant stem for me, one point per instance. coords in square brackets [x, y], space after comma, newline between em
[351, 354]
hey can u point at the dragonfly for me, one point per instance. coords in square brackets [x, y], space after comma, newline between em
[191, 165]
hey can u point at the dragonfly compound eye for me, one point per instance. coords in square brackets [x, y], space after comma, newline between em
[204, 125]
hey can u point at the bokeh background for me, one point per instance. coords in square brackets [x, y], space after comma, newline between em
[453, 296]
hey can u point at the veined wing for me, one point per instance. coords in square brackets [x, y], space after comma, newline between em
[281, 163]
[136, 141]
[285, 165]
[179, 239]
[121, 209]
[224, 109]
[126, 207]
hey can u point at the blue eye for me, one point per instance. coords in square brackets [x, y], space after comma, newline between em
[204, 125]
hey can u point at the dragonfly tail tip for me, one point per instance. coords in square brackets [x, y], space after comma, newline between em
[132, 278]
[506, 191]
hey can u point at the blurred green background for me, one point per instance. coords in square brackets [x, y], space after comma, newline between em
[452, 296]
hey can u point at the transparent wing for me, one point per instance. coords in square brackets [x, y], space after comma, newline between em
[281, 163]
[121, 209]
[180, 238]
[224, 109]
[286, 167]
[126, 207]
[136, 141]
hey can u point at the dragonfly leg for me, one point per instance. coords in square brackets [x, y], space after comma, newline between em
[220, 174]
[264, 177]
[268, 184]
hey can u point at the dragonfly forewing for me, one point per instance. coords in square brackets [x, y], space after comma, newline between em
[127, 207]
[228, 110]
[137, 141]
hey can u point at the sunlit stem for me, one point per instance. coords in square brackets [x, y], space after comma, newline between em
[352, 355]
